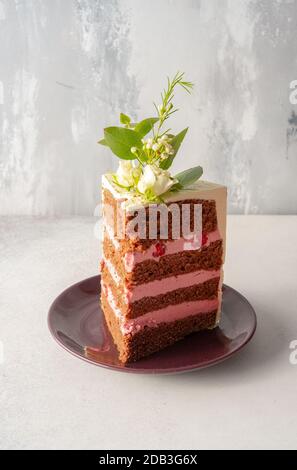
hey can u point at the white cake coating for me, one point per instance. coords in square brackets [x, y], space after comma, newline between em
[201, 186]
[112, 188]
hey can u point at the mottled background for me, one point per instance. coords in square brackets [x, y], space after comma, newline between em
[68, 67]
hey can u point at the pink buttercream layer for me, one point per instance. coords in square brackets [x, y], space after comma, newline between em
[167, 314]
[151, 289]
[171, 247]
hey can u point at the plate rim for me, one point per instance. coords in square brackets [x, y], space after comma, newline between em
[152, 371]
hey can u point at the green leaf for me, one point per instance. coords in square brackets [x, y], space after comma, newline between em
[102, 142]
[120, 140]
[188, 177]
[176, 187]
[175, 143]
[124, 119]
[177, 140]
[145, 126]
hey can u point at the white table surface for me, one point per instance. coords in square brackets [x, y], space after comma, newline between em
[50, 399]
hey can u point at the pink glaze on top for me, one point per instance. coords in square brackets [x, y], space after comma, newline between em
[170, 247]
[153, 288]
[167, 314]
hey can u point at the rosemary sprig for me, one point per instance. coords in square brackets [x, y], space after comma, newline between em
[166, 108]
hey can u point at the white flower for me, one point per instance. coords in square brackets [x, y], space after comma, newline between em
[155, 147]
[149, 143]
[169, 149]
[163, 183]
[147, 180]
[155, 179]
[124, 173]
[136, 173]
[134, 150]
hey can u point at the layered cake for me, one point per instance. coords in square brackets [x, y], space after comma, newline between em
[163, 237]
[155, 292]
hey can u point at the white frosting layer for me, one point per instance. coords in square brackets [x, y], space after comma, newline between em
[191, 192]
[112, 271]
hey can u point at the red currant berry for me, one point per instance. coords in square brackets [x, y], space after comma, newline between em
[204, 239]
[159, 249]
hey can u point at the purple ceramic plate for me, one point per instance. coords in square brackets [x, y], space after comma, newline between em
[77, 323]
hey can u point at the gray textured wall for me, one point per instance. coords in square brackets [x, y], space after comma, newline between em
[68, 67]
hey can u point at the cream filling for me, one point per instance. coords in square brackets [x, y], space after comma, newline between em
[163, 315]
[162, 286]
[171, 247]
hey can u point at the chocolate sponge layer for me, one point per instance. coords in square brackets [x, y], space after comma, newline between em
[113, 213]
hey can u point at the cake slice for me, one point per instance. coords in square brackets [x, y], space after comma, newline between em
[154, 292]
[164, 237]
